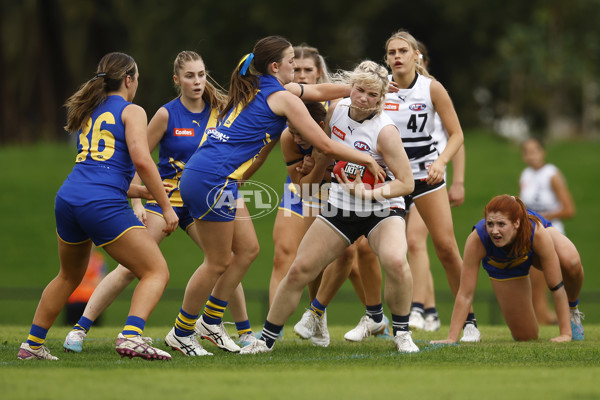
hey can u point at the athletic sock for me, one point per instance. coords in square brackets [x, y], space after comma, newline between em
[470, 320]
[37, 337]
[573, 304]
[243, 327]
[375, 312]
[418, 307]
[317, 308]
[83, 324]
[185, 323]
[134, 326]
[214, 310]
[431, 311]
[400, 323]
[270, 333]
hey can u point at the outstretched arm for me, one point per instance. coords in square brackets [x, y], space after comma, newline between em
[319, 91]
[474, 253]
[284, 103]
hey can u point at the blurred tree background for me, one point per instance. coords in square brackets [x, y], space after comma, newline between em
[509, 65]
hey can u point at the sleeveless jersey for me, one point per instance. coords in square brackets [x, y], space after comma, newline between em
[498, 263]
[103, 168]
[185, 132]
[363, 137]
[537, 193]
[413, 113]
[232, 147]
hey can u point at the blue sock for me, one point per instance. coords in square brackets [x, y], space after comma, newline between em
[134, 326]
[270, 333]
[185, 323]
[399, 323]
[574, 304]
[375, 312]
[214, 310]
[317, 308]
[37, 337]
[243, 327]
[83, 324]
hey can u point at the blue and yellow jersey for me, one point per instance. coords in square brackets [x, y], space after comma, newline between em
[103, 168]
[498, 263]
[232, 147]
[185, 133]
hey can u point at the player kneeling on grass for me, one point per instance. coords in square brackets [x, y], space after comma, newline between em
[507, 242]
[354, 210]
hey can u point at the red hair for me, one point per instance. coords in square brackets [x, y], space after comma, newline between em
[514, 209]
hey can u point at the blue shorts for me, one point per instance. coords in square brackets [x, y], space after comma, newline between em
[209, 197]
[102, 221]
[497, 274]
[290, 201]
[185, 219]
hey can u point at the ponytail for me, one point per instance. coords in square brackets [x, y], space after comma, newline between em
[110, 74]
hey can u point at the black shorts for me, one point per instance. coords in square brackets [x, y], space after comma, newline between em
[421, 189]
[351, 224]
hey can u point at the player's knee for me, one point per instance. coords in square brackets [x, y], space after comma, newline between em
[298, 275]
[525, 336]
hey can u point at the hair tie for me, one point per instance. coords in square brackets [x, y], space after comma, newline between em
[99, 75]
[246, 65]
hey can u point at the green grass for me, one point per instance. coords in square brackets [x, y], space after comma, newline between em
[497, 368]
[29, 256]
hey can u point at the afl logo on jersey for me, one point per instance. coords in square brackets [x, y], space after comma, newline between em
[417, 107]
[391, 107]
[183, 131]
[362, 146]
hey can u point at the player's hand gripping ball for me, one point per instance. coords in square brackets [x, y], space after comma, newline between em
[352, 170]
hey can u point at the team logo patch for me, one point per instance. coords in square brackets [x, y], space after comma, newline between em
[391, 107]
[362, 146]
[221, 137]
[183, 132]
[339, 133]
[417, 107]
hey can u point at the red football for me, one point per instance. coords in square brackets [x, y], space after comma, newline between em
[351, 170]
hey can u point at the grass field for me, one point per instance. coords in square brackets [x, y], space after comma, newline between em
[28, 242]
[497, 368]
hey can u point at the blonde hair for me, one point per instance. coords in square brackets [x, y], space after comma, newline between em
[214, 94]
[370, 75]
[304, 51]
[412, 42]
[110, 74]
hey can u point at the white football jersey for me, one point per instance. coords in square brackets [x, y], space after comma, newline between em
[537, 192]
[414, 115]
[361, 136]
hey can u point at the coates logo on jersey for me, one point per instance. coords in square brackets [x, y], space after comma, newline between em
[391, 107]
[183, 132]
[362, 146]
[417, 107]
[338, 132]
